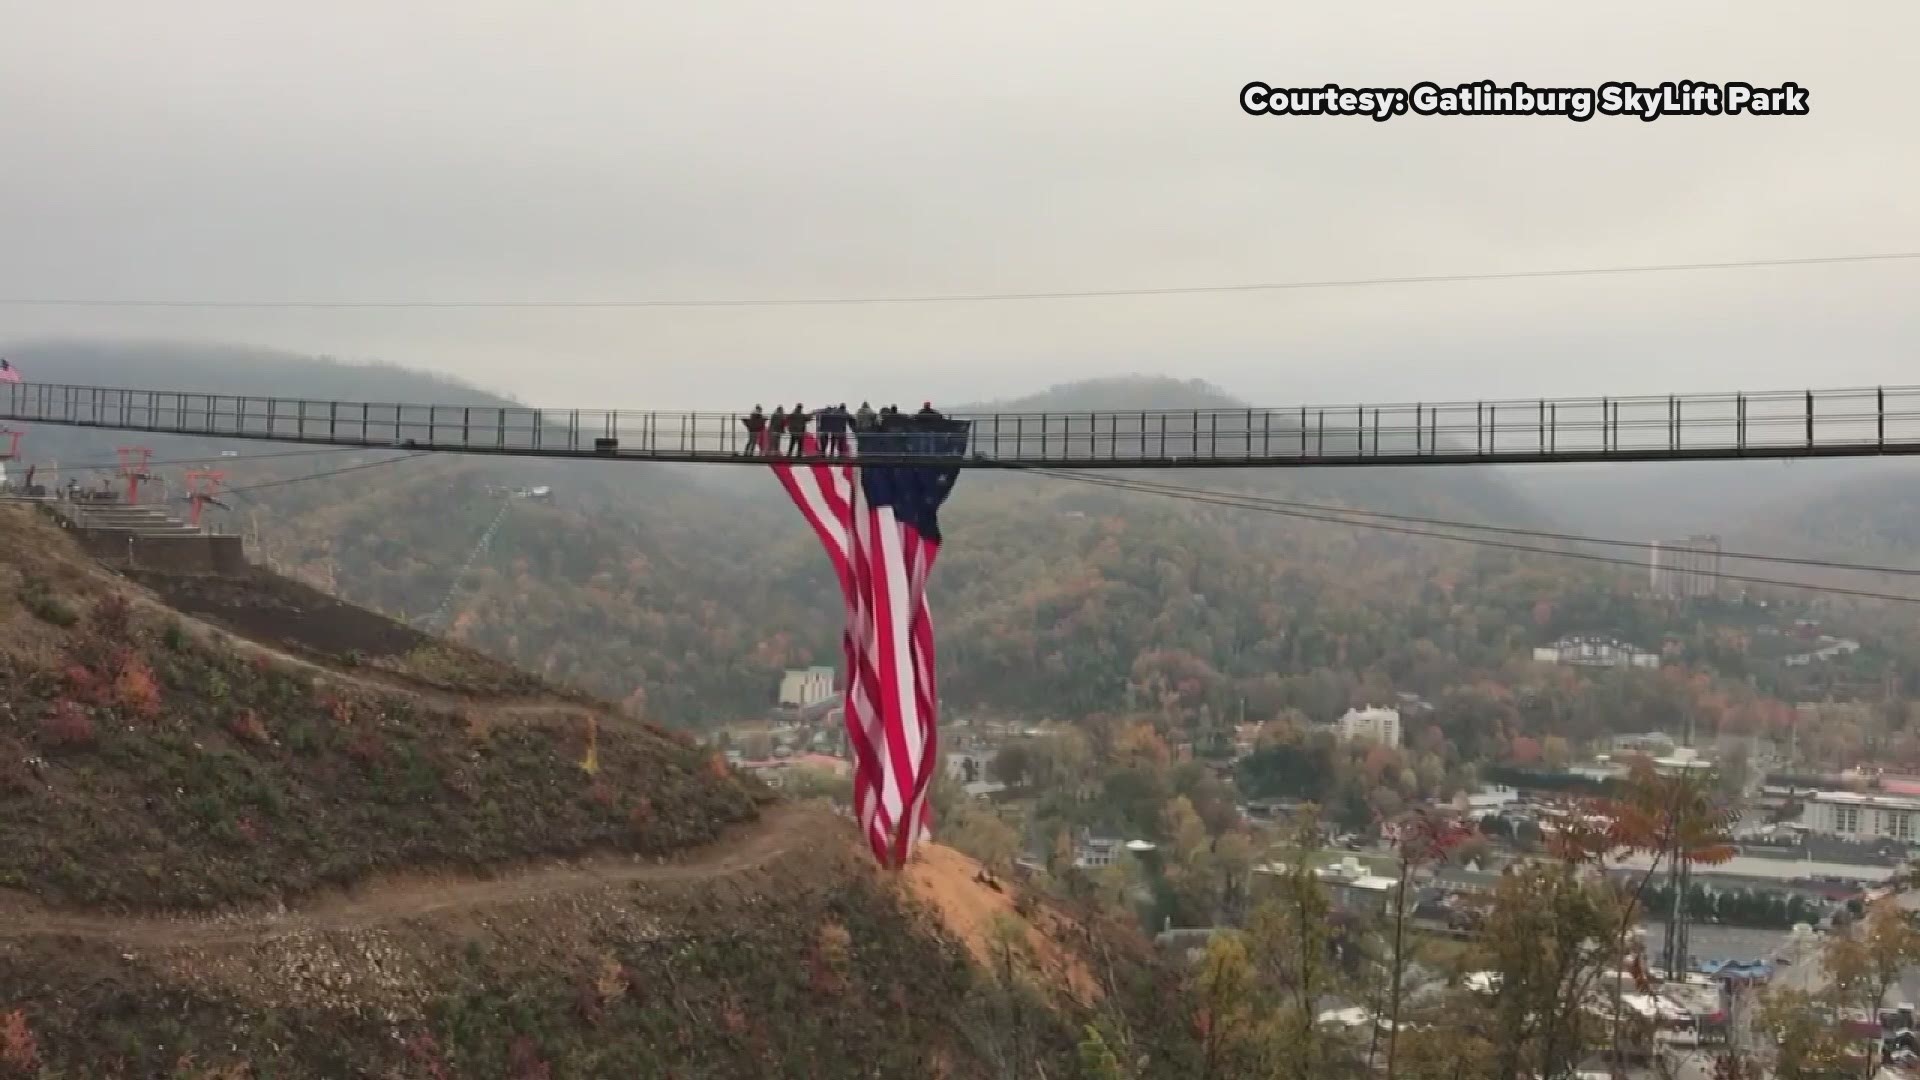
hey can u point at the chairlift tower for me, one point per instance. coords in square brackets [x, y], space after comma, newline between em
[133, 466]
[203, 489]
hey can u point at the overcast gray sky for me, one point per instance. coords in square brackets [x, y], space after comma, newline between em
[392, 150]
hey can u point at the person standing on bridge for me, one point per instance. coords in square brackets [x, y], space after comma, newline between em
[756, 425]
[833, 430]
[797, 429]
[825, 420]
[865, 419]
[776, 427]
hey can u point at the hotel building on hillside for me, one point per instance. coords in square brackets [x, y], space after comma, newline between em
[1595, 652]
[1689, 568]
[802, 687]
[1372, 723]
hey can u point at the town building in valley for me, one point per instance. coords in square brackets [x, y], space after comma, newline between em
[801, 688]
[1859, 815]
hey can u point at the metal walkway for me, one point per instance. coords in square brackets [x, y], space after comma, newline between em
[1788, 424]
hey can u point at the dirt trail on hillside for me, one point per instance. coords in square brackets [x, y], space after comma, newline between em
[782, 828]
[492, 705]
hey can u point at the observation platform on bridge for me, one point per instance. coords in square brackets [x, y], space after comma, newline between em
[1784, 424]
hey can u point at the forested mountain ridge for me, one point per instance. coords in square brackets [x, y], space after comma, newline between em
[1874, 518]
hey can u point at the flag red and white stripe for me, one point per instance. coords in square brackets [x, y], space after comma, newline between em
[887, 649]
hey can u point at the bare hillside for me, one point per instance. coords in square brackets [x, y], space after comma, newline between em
[263, 833]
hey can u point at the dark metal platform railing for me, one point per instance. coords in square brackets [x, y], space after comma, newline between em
[1778, 424]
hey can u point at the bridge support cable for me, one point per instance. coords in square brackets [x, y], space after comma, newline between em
[1157, 487]
[1253, 504]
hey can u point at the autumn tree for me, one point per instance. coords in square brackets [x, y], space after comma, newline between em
[1186, 863]
[975, 829]
[1807, 1042]
[1226, 1011]
[1677, 821]
[1097, 1059]
[1420, 839]
[1451, 1051]
[1547, 929]
[1060, 760]
[1864, 964]
[1292, 940]
[1012, 765]
[998, 1020]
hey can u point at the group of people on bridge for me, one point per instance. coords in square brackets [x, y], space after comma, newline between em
[883, 430]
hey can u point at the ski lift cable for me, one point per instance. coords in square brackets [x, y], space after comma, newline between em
[439, 616]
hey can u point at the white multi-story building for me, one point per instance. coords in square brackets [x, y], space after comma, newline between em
[801, 687]
[1860, 816]
[1371, 723]
[1595, 652]
[1689, 567]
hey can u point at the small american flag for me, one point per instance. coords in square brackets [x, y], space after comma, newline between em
[880, 528]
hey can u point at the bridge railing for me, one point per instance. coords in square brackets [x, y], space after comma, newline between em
[1473, 430]
[1544, 429]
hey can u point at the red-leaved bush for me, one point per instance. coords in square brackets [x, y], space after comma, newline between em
[134, 689]
[246, 727]
[423, 1051]
[67, 725]
[83, 684]
[367, 747]
[18, 1049]
[523, 1060]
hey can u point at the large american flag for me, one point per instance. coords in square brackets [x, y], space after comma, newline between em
[880, 528]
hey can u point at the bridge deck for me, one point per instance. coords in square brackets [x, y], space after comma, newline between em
[1790, 424]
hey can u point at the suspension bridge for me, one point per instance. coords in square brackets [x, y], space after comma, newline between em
[1725, 426]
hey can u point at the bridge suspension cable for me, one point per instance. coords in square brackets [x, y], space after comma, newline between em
[1158, 487]
[1205, 497]
[208, 459]
[982, 297]
[329, 472]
